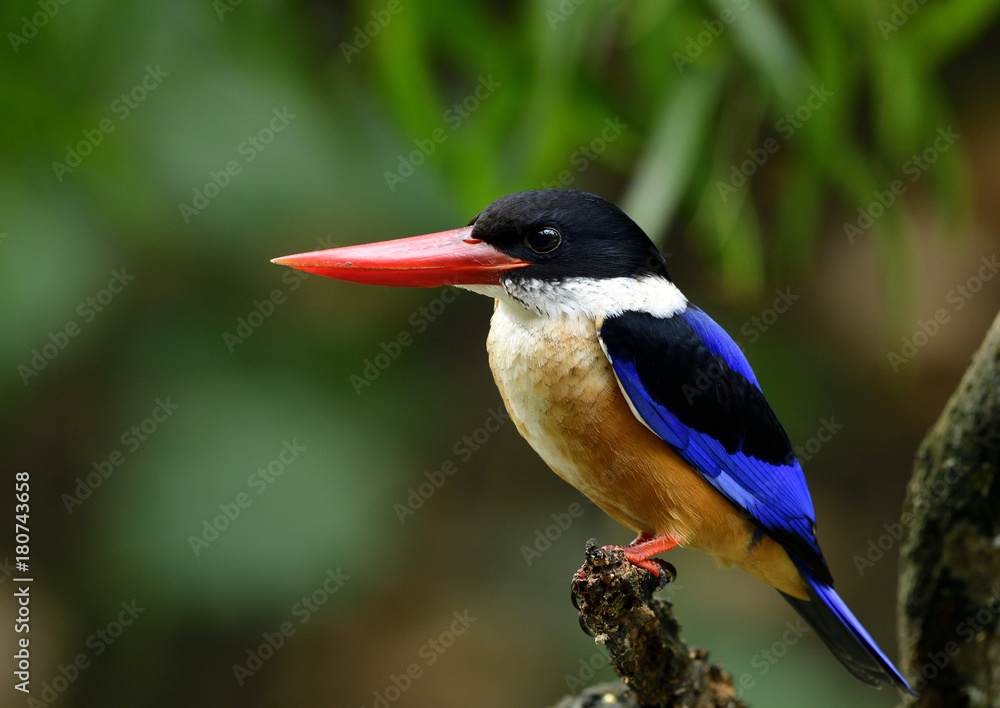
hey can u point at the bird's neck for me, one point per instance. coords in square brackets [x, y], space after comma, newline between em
[597, 297]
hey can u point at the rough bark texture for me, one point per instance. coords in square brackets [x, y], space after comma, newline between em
[949, 590]
[658, 669]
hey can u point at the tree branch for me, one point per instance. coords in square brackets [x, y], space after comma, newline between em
[641, 635]
[949, 590]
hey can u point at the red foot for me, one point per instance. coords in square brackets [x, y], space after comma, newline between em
[638, 552]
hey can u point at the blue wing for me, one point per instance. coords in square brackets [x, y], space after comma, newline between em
[693, 387]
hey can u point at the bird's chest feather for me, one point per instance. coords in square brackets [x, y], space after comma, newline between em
[562, 394]
[556, 382]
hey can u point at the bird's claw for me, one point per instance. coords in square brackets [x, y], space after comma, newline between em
[661, 569]
[667, 573]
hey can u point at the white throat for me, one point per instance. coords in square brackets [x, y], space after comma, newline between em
[594, 297]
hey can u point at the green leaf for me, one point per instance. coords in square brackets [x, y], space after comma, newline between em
[662, 174]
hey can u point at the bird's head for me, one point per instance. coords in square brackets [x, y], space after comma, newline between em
[550, 250]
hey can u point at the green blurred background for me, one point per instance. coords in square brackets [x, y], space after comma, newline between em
[167, 151]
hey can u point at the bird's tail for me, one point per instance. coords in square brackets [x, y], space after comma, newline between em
[840, 630]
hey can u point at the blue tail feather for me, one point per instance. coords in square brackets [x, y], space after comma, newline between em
[843, 634]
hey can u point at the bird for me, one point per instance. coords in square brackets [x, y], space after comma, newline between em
[629, 392]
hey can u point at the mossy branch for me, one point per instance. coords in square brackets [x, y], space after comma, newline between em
[642, 637]
[949, 589]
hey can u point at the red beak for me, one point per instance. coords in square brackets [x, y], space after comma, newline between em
[445, 258]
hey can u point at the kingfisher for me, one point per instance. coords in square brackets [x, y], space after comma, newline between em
[629, 392]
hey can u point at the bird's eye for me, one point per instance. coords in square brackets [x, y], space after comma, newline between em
[544, 240]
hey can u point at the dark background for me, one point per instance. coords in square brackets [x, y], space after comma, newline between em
[697, 93]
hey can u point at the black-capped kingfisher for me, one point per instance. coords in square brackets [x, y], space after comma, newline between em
[598, 357]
